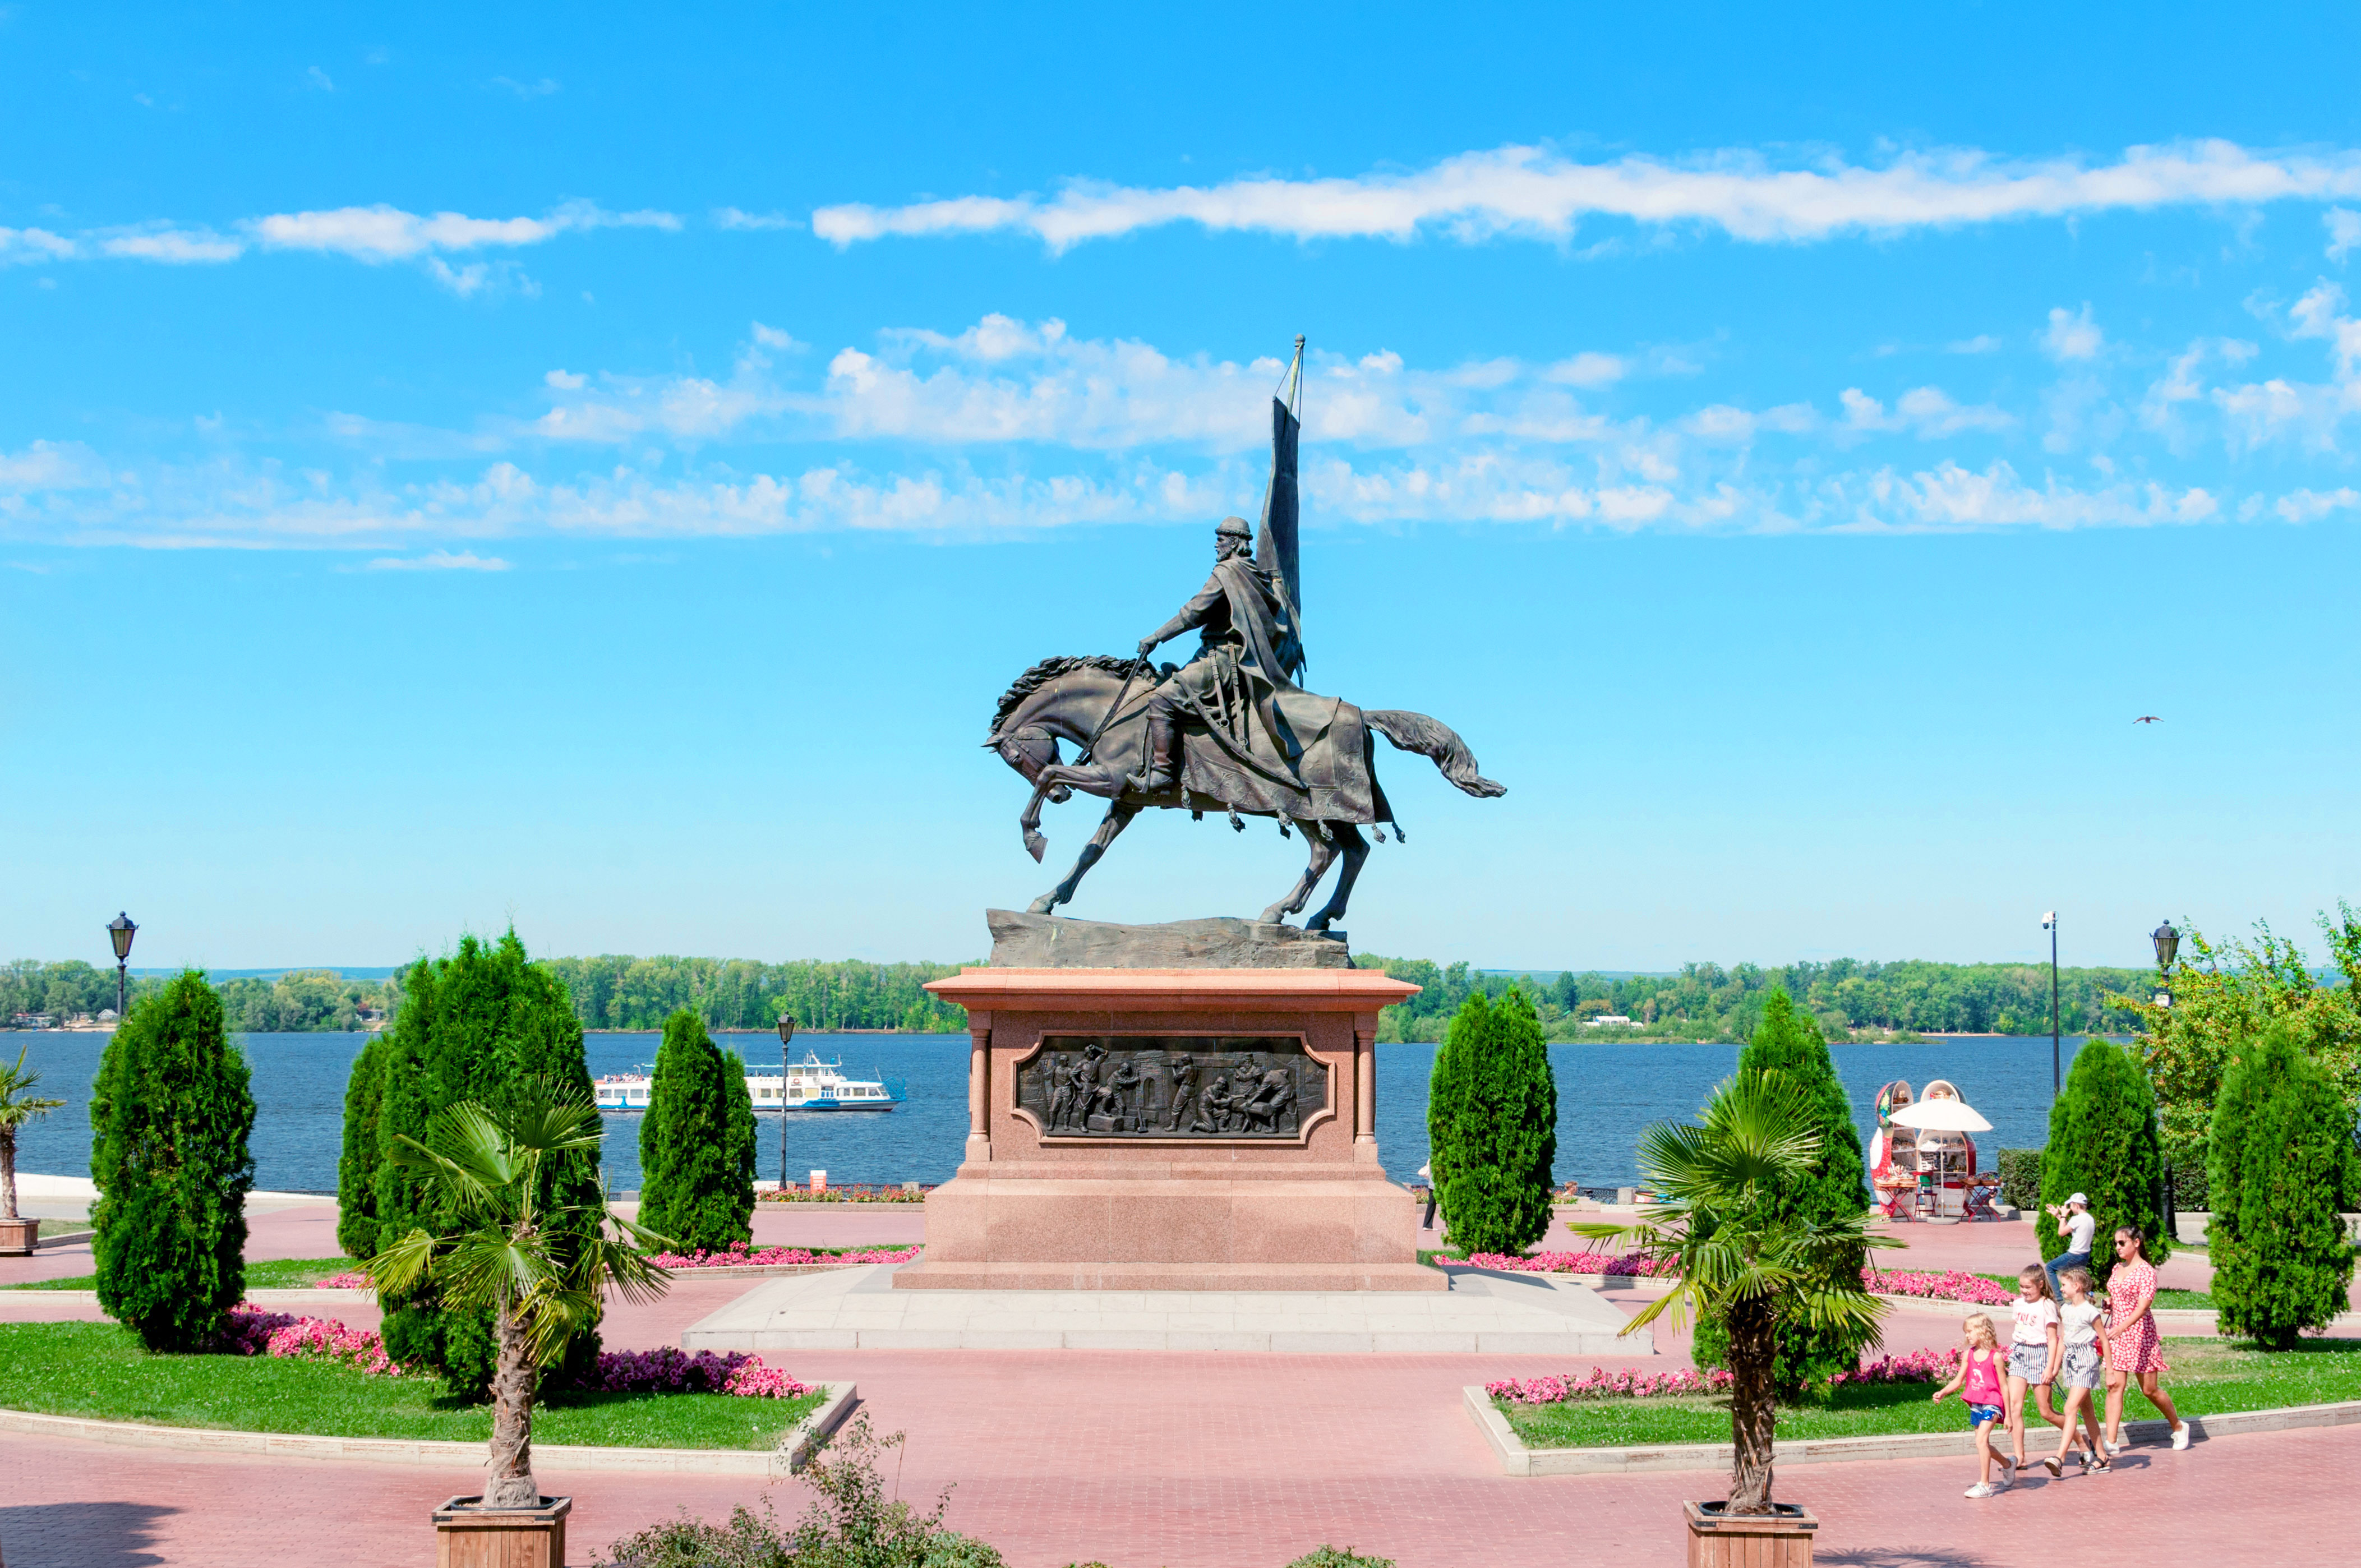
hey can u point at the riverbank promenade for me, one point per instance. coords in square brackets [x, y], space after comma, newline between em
[1181, 1460]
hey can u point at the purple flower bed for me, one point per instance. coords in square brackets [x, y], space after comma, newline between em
[251, 1332]
[853, 1194]
[672, 1371]
[1563, 1263]
[1918, 1366]
[740, 1255]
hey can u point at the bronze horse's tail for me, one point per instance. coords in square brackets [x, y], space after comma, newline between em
[1436, 741]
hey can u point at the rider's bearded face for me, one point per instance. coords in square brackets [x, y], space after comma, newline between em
[1226, 546]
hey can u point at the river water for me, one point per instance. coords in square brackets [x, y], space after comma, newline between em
[1606, 1093]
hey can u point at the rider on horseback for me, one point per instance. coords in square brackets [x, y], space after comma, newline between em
[1249, 650]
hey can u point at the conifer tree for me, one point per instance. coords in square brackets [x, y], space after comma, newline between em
[483, 1024]
[356, 1227]
[696, 1176]
[170, 1116]
[2281, 1164]
[1834, 1189]
[1492, 1122]
[2105, 1143]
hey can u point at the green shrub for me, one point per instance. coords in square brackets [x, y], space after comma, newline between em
[480, 1025]
[356, 1228]
[2104, 1143]
[2020, 1179]
[1835, 1187]
[171, 1115]
[1492, 1123]
[1332, 1557]
[697, 1142]
[2281, 1156]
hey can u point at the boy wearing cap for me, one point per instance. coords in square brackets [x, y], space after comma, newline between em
[2077, 1225]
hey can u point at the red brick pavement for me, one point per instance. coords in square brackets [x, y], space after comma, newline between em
[1210, 1463]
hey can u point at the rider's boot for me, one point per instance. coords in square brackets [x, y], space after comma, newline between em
[1161, 769]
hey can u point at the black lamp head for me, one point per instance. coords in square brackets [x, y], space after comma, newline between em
[119, 930]
[786, 1027]
[2167, 943]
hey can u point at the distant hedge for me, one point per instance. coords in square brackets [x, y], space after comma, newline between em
[2020, 1179]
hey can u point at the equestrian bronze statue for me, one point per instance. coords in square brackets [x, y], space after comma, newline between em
[1231, 729]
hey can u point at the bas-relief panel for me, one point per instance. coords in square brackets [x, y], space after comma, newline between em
[1171, 1086]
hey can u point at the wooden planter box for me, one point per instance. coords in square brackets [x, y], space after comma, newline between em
[1780, 1539]
[19, 1237]
[469, 1535]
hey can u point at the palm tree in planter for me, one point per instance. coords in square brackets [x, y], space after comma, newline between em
[1734, 1252]
[540, 1268]
[17, 1106]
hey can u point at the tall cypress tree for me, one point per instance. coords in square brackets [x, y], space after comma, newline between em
[1791, 1043]
[2104, 1143]
[692, 1189]
[1499, 1116]
[171, 1116]
[477, 1025]
[2280, 1163]
[357, 1226]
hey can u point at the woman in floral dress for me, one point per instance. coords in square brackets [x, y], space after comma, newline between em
[2135, 1348]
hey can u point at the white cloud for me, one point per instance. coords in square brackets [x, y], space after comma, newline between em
[176, 245]
[526, 90]
[439, 561]
[2309, 506]
[50, 466]
[33, 244]
[772, 337]
[1983, 343]
[384, 233]
[1534, 191]
[2343, 232]
[732, 218]
[1588, 370]
[565, 381]
[1927, 412]
[318, 79]
[2071, 334]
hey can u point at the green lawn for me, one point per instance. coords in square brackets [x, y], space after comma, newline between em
[2195, 1298]
[58, 1227]
[273, 1274]
[99, 1370]
[2208, 1378]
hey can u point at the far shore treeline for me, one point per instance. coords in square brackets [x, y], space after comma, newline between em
[1851, 999]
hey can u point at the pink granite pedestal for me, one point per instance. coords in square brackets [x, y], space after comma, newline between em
[1068, 1207]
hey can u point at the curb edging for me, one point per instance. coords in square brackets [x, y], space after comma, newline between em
[795, 1449]
[1516, 1459]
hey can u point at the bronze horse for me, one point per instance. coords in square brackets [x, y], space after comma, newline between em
[1097, 704]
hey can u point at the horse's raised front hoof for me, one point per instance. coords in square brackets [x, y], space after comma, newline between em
[1043, 904]
[1275, 915]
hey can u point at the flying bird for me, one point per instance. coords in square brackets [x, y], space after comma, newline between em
[2149, 718]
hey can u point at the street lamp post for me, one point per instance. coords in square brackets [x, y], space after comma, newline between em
[2167, 944]
[120, 931]
[2057, 1071]
[786, 1033]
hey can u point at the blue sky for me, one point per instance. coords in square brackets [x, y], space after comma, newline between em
[598, 470]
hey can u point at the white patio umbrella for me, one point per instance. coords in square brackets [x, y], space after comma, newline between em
[1940, 1117]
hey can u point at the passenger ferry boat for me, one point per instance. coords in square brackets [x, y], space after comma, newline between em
[810, 1084]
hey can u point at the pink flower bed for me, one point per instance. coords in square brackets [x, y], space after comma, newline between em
[856, 1193]
[1604, 1385]
[252, 1331]
[351, 1279]
[1950, 1285]
[740, 1255]
[1918, 1366]
[1563, 1263]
